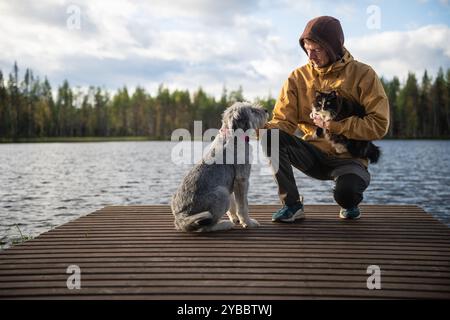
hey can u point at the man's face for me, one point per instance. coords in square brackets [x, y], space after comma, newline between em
[317, 54]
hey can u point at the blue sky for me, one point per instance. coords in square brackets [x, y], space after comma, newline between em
[395, 15]
[185, 44]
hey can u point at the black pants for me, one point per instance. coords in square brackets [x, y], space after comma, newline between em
[351, 177]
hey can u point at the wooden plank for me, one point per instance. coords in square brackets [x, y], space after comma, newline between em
[133, 252]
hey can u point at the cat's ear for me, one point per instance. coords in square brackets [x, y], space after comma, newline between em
[333, 93]
[318, 93]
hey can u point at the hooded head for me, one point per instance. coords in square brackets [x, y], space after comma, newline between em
[327, 32]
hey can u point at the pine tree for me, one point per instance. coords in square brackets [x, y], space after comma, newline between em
[438, 93]
[182, 105]
[64, 110]
[4, 114]
[166, 112]
[425, 107]
[392, 89]
[14, 105]
[236, 96]
[42, 116]
[120, 113]
[101, 113]
[204, 110]
[408, 102]
[446, 131]
[140, 120]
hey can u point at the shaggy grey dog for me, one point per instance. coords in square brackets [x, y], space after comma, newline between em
[219, 183]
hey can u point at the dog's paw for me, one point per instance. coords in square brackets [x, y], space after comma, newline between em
[252, 223]
[233, 217]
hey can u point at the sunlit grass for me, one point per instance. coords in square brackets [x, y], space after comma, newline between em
[21, 238]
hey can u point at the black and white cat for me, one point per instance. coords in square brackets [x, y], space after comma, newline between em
[331, 106]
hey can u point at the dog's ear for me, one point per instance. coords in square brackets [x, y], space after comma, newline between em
[240, 123]
[224, 125]
[235, 124]
[227, 119]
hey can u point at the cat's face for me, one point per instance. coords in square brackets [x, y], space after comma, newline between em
[326, 105]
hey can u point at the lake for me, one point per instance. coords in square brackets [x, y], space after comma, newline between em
[44, 185]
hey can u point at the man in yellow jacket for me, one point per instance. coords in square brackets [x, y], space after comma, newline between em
[330, 68]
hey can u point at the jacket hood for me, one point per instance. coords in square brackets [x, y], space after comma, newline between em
[327, 32]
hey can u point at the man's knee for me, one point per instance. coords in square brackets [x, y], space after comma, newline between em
[267, 140]
[348, 191]
[285, 139]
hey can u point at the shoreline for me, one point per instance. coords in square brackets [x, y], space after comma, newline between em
[138, 138]
[78, 139]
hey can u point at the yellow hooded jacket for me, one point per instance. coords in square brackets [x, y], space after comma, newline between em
[349, 78]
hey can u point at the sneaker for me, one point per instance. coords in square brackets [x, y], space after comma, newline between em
[289, 213]
[352, 213]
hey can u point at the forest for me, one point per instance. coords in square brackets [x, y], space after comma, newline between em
[29, 108]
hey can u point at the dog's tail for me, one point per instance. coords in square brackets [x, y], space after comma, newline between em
[190, 223]
[373, 153]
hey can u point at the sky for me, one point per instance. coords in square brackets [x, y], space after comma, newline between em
[187, 44]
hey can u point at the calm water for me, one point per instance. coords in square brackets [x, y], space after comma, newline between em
[45, 185]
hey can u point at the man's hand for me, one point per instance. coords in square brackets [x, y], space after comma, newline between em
[318, 121]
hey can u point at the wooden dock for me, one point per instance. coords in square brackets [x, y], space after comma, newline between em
[133, 252]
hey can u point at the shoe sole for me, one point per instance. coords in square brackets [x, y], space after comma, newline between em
[347, 218]
[300, 214]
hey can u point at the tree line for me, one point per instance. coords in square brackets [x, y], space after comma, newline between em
[28, 109]
[419, 110]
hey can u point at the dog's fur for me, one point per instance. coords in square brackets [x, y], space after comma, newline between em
[331, 106]
[213, 188]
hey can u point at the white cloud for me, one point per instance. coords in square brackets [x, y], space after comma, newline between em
[186, 44]
[397, 53]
